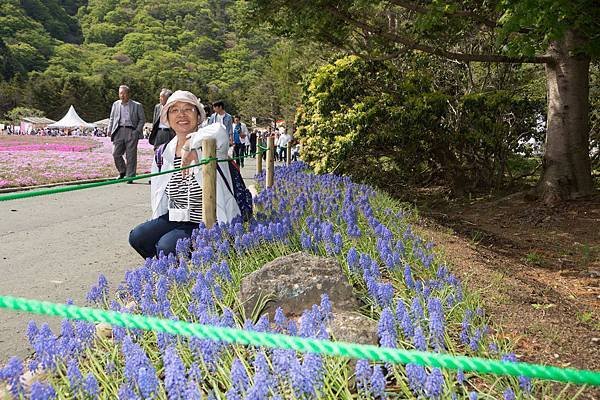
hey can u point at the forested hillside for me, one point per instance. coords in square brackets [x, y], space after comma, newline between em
[361, 98]
[58, 53]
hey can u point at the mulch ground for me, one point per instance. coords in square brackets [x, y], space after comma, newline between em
[536, 269]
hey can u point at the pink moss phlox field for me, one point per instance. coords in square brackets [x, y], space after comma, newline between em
[38, 160]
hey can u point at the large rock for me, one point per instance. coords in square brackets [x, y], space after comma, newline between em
[295, 283]
[353, 327]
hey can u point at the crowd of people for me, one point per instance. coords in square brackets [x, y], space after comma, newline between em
[96, 131]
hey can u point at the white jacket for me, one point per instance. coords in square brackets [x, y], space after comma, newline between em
[227, 208]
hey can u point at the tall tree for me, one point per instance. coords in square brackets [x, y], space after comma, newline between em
[559, 34]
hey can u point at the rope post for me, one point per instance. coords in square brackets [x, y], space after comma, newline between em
[209, 183]
[259, 156]
[288, 154]
[270, 161]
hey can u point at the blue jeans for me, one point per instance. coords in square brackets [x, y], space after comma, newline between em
[159, 234]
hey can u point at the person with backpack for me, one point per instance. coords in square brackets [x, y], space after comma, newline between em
[176, 198]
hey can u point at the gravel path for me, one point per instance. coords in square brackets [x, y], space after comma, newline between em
[54, 247]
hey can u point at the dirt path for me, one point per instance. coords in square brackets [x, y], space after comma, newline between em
[54, 247]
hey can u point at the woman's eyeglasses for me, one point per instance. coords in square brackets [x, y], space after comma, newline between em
[184, 111]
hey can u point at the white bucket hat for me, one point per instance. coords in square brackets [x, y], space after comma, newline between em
[185, 97]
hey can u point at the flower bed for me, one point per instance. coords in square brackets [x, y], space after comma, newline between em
[38, 160]
[417, 302]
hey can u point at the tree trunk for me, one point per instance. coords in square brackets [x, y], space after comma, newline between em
[567, 169]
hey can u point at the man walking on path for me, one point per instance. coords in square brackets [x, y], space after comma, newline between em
[240, 132]
[125, 128]
[161, 133]
[222, 117]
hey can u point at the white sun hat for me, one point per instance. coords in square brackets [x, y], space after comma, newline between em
[185, 97]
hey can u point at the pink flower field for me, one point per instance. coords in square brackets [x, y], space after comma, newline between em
[38, 160]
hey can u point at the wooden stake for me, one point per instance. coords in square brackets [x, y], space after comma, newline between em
[288, 154]
[209, 183]
[270, 161]
[259, 157]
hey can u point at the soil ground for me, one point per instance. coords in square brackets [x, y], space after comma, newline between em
[537, 271]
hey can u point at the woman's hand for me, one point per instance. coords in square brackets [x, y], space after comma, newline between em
[188, 157]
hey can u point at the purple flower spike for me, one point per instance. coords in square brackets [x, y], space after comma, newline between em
[509, 394]
[42, 391]
[434, 385]
[175, 381]
[378, 383]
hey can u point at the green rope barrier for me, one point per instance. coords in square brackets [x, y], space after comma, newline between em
[42, 192]
[350, 350]
[62, 189]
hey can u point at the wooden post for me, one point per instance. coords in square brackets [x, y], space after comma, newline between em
[288, 153]
[259, 156]
[209, 183]
[270, 161]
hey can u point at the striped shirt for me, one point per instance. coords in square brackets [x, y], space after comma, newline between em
[177, 191]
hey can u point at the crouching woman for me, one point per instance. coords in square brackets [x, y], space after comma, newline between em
[176, 198]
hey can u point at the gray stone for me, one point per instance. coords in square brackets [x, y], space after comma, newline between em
[296, 282]
[353, 327]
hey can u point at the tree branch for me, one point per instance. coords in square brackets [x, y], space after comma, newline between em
[413, 44]
[409, 5]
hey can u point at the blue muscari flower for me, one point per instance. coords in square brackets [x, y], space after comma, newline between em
[416, 378]
[365, 262]
[510, 357]
[403, 317]
[416, 309]
[127, 393]
[74, 375]
[42, 391]
[493, 347]
[292, 328]
[11, 373]
[473, 396]
[337, 243]
[32, 331]
[509, 394]
[183, 246]
[147, 381]
[387, 324]
[385, 294]
[301, 384]
[525, 383]
[465, 327]
[90, 386]
[262, 325]
[175, 382]
[475, 339]
[419, 339]
[280, 320]
[325, 307]
[434, 384]
[408, 278]
[436, 322]
[378, 383]
[239, 376]
[313, 370]
[460, 377]
[192, 391]
[363, 374]
[305, 241]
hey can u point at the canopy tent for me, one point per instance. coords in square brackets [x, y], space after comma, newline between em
[103, 123]
[29, 124]
[71, 120]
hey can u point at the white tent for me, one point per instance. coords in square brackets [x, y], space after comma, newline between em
[71, 120]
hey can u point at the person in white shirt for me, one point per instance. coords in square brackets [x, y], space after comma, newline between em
[284, 139]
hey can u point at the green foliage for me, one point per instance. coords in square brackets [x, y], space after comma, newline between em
[17, 113]
[366, 117]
